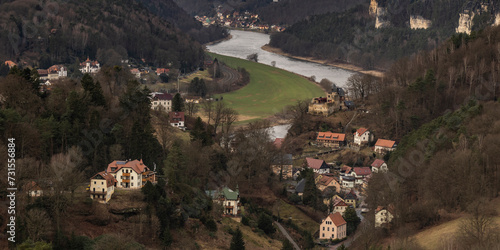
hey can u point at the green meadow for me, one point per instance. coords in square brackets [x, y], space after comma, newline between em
[269, 91]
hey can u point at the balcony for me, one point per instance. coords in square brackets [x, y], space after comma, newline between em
[97, 192]
[126, 174]
[126, 180]
[144, 179]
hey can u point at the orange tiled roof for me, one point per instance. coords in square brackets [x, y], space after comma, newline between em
[377, 163]
[278, 142]
[361, 131]
[385, 143]
[337, 219]
[329, 136]
[136, 165]
[10, 63]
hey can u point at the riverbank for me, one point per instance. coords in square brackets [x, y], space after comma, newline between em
[218, 41]
[345, 66]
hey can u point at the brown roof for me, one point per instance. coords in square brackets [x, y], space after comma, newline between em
[325, 180]
[385, 143]
[389, 208]
[176, 116]
[10, 64]
[346, 169]
[361, 171]
[42, 72]
[30, 186]
[54, 69]
[278, 142]
[162, 71]
[361, 131]
[163, 97]
[337, 219]
[329, 136]
[110, 180]
[315, 163]
[377, 163]
[340, 203]
[136, 165]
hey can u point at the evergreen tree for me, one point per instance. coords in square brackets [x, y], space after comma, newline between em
[352, 220]
[308, 240]
[198, 87]
[199, 133]
[265, 223]
[177, 103]
[174, 167]
[312, 196]
[237, 242]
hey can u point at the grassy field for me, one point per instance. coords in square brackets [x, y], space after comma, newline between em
[287, 211]
[269, 91]
[436, 237]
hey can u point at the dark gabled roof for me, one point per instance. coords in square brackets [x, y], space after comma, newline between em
[300, 186]
[351, 196]
[287, 159]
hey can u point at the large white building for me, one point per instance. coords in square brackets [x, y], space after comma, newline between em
[333, 227]
[161, 101]
[362, 136]
[90, 67]
[102, 186]
[131, 174]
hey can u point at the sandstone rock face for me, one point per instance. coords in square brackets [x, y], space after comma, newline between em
[418, 22]
[497, 20]
[465, 22]
[373, 8]
[381, 21]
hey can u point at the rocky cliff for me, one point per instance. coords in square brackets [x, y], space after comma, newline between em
[418, 22]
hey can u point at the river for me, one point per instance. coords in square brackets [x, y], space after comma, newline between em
[244, 43]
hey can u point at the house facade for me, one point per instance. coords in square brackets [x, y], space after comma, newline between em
[229, 199]
[333, 227]
[161, 101]
[131, 174]
[351, 198]
[362, 136]
[177, 119]
[32, 189]
[382, 146]
[379, 166]
[340, 207]
[360, 173]
[90, 67]
[318, 166]
[383, 216]
[328, 181]
[102, 186]
[331, 140]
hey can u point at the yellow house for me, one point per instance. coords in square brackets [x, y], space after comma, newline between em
[102, 186]
[333, 227]
[351, 198]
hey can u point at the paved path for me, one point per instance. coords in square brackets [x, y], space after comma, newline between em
[285, 233]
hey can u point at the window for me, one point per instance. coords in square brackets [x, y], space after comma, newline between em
[323, 235]
[132, 184]
[323, 230]
[95, 182]
[328, 229]
[132, 177]
[102, 182]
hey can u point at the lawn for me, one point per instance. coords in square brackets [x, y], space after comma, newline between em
[287, 211]
[269, 91]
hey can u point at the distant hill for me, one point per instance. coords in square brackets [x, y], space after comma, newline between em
[376, 33]
[61, 32]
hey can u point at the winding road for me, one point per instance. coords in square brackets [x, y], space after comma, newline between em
[285, 233]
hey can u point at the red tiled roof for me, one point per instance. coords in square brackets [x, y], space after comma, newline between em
[314, 163]
[162, 71]
[360, 171]
[137, 166]
[377, 163]
[110, 180]
[134, 71]
[54, 69]
[278, 142]
[176, 116]
[385, 143]
[42, 72]
[31, 186]
[337, 219]
[325, 180]
[361, 131]
[346, 169]
[10, 64]
[329, 136]
[389, 208]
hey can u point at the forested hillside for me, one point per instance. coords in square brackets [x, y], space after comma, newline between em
[171, 12]
[53, 32]
[351, 36]
[442, 107]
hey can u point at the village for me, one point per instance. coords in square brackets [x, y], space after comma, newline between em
[238, 20]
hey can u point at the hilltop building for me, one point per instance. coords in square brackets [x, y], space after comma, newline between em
[229, 199]
[334, 101]
[131, 174]
[90, 67]
[161, 101]
[102, 186]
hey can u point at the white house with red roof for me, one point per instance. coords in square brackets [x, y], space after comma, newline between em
[379, 166]
[161, 101]
[177, 119]
[333, 227]
[317, 165]
[90, 67]
[278, 142]
[383, 215]
[131, 174]
[383, 146]
[329, 139]
[360, 173]
[32, 189]
[102, 186]
[362, 136]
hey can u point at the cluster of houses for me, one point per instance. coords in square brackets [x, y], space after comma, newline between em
[129, 174]
[236, 19]
[163, 101]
